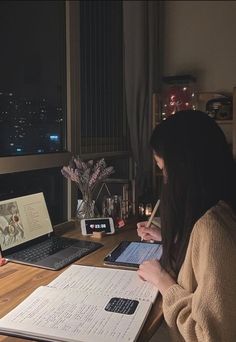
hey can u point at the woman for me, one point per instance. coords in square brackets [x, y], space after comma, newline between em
[197, 272]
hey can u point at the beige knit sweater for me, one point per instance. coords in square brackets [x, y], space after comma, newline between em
[202, 306]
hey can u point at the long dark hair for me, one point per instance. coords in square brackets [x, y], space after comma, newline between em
[200, 171]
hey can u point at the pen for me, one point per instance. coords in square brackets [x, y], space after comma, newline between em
[152, 215]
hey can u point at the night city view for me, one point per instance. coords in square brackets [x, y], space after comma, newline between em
[29, 126]
[32, 83]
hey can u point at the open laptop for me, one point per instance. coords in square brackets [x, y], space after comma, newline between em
[27, 237]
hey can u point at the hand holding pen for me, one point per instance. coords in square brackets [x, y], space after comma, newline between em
[148, 232]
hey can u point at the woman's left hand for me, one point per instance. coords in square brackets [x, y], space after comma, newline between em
[152, 271]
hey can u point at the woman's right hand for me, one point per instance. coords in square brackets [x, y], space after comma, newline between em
[147, 234]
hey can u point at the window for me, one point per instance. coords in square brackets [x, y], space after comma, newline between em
[61, 92]
[32, 83]
[33, 101]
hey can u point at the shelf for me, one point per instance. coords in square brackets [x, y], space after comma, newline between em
[224, 122]
[227, 126]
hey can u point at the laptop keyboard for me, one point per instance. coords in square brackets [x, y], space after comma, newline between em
[73, 257]
[53, 245]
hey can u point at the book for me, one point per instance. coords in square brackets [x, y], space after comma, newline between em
[84, 304]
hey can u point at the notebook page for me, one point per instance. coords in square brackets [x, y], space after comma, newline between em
[66, 315]
[98, 280]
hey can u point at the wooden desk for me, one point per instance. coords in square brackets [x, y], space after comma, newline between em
[18, 281]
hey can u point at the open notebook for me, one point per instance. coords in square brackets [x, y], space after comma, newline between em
[27, 237]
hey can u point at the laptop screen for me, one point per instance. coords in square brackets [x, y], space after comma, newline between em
[23, 219]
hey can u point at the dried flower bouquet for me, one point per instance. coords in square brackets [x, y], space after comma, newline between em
[87, 175]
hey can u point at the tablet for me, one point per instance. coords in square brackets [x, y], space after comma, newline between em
[132, 254]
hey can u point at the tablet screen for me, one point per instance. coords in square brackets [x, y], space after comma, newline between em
[137, 252]
[134, 253]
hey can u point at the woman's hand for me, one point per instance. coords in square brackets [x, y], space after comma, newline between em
[147, 234]
[152, 271]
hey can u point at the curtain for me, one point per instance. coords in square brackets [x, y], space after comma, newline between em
[141, 22]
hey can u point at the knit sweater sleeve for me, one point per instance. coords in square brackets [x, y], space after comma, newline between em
[205, 311]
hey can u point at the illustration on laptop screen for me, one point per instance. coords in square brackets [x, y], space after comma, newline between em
[27, 236]
[23, 219]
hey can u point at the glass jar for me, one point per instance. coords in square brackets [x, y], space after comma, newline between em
[116, 209]
[86, 207]
[107, 206]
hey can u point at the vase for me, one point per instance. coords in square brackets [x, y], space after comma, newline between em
[86, 207]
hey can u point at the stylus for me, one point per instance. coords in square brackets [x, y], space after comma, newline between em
[152, 216]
